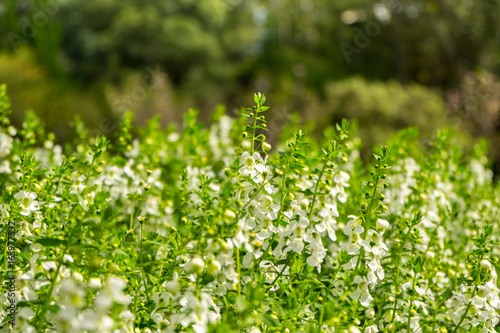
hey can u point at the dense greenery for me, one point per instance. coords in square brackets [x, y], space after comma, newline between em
[430, 41]
[210, 229]
[99, 59]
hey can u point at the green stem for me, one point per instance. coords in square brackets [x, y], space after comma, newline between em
[283, 191]
[250, 200]
[142, 267]
[476, 284]
[322, 313]
[254, 129]
[408, 329]
[43, 311]
[396, 281]
[317, 187]
[131, 222]
[90, 172]
[281, 273]
[372, 202]
[238, 270]
[464, 315]
[368, 219]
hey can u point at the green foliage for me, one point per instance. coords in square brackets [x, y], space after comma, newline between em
[57, 104]
[208, 229]
[381, 108]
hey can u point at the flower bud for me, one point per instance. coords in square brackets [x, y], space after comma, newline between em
[391, 328]
[370, 313]
[382, 225]
[195, 265]
[37, 188]
[485, 265]
[229, 214]
[266, 147]
[304, 204]
[11, 189]
[173, 287]
[354, 329]
[95, 283]
[213, 266]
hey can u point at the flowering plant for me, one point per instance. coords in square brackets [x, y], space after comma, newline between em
[211, 230]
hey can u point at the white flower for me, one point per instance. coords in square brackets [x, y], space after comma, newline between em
[353, 229]
[326, 224]
[201, 312]
[342, 179]
[27, 202]
[6, 144]
[353, 329]
[213, 266]
[5, 167]
[485, 264]
[251, 223]
[337, 288]
[67, 258]
[362, 293]
[297, 245]
[95, 283]
[195, 265]
[112, 292]
[26, 313]
[173, 286]
[375, 266]
[382, 225]
[303, 222]
[316, 257]
[353, 226]
[371, 329]
[370, 313]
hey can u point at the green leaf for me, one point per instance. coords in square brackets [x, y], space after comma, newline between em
[51, 241]
[418, 265]
[270, 321]
[297, 166]
[123, 253]
[40, 172]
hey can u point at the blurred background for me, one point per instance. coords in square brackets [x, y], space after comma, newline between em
[389, 64]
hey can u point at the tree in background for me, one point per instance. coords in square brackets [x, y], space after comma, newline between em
[215, 51]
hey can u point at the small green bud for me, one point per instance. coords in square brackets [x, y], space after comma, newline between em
[391, 328]
[229, 214]
[213, 266]
[11, 189]
[196, 265]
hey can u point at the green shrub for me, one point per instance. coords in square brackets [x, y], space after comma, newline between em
[382, 108]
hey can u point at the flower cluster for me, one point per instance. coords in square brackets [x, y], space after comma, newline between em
[210, 229]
